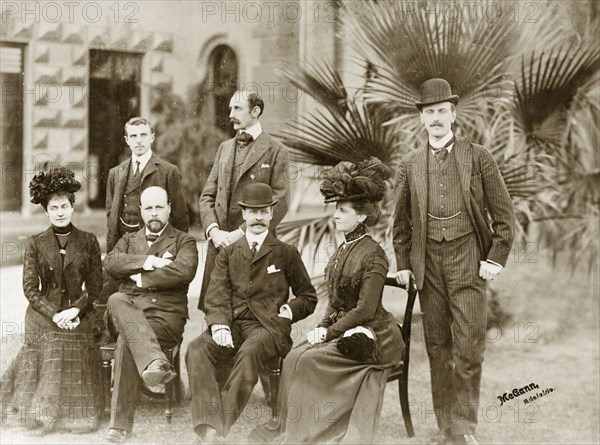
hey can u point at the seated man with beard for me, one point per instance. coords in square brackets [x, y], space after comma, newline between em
[155, 267]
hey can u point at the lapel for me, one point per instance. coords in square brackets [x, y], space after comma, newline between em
[464, 165]
[265, 249]
[48, 245]
[244, 249]
[151, 166]
[462, 154]
[164, 241]
[227, 160]
[257, 150]
[421, 170]
[74, 247]
[122, 175]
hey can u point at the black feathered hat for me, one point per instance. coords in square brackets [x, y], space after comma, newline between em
[348, 181]
[52, 179]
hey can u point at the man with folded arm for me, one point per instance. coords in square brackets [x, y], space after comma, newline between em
[155, 267]
[248, 315]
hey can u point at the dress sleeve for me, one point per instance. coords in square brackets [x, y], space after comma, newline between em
[371, 289]
[31, 282]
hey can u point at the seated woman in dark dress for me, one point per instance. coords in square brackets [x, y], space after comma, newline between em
[54, 382]
[332, 386]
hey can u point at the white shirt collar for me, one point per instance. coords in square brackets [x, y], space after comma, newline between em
[259, 239]
[440, 143]
[143, 159]
[254, 130]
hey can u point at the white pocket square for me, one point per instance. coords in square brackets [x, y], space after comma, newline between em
[264, 166]
[272, 269]
[167, 255]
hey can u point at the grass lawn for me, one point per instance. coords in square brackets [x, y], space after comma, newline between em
[552, 341]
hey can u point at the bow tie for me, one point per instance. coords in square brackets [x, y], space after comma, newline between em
[152, 237]
[243, 139]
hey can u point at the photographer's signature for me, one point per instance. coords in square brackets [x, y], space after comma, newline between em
[518, 392]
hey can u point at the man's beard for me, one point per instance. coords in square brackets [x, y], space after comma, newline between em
[155, 225]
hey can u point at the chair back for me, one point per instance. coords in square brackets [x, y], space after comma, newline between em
[400, 372]
[406, 325]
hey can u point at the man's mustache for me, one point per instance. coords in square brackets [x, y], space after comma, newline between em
[436, 124]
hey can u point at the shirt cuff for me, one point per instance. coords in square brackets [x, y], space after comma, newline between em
[137, 278]
[494, 263]
[287, 306]
[148, 264]
[209, 228]
[217, 327]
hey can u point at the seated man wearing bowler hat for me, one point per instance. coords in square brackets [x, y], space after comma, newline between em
[248, 315]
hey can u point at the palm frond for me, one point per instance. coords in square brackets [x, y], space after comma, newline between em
[549, 82]
[338, 129]
[408, 46]
[321, 81]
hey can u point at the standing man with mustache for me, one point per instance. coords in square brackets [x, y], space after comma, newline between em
[251, 157]
[448, 193]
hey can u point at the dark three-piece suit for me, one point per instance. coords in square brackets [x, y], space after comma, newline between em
[245, 293]
[149, 316]
[122, 189]
[441, 233]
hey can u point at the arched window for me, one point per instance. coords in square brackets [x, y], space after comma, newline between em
[222, 82]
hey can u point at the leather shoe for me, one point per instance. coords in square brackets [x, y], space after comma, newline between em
[463, 439]
[158, 372]
[115, 435]
[206, 434]
[441, 438]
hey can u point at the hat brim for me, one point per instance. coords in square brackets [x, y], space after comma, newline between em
[257, 206]
[454, 99]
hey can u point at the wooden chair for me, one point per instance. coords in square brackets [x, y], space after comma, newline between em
[400, 371]
[172, 389]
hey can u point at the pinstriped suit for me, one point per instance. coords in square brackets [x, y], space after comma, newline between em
[446, 269]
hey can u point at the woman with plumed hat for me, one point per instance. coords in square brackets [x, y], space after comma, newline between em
[54, 382]
[332, 385]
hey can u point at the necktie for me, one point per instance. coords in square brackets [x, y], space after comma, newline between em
[243, 139]
[253, 249]
[136, 169]
[151, 237]
[441, 153]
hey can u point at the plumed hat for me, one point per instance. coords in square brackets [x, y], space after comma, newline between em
[356, 182]
[52, 179]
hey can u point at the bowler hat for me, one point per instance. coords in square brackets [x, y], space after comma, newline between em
[434, 91]
[257, 195]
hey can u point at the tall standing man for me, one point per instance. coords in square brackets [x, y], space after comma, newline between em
[251, 157]
[447, 193]
[127, 180]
